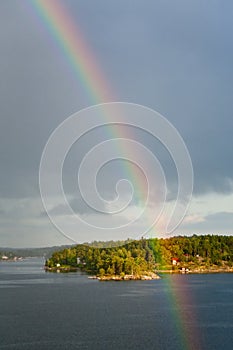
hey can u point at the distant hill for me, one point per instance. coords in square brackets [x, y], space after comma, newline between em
[31, 252]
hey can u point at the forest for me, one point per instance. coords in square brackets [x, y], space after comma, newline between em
[196, 253]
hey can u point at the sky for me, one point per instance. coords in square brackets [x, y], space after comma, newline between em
[174, 57]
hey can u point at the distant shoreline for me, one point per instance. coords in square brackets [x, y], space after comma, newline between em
[193, 272]
[147, 276]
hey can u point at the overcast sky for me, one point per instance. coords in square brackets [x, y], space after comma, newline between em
[172, 56]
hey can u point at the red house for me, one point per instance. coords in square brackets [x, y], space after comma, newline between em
[175, 261]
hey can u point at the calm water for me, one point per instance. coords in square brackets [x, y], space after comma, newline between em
[41, 310]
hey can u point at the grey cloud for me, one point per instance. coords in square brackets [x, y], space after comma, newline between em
[221, 222]
[185, 73]
[78, 205]
[175, 57]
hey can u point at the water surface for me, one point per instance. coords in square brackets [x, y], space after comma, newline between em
[40, 310]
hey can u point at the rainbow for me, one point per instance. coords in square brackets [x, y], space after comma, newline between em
[83, 66]
[180, 298]
[82, 63]
[70, 41]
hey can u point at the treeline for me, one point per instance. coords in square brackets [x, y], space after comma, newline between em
[29, 252]
[139, 256]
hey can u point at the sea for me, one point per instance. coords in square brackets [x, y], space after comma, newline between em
[44, 310]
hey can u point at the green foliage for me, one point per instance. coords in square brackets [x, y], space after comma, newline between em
[139, 256]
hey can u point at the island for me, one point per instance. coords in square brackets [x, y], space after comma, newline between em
[146, 259]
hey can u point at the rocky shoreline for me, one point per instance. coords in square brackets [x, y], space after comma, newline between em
[197, 271]
[145, 277]
[61, 269]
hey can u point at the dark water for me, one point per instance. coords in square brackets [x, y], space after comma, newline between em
[41, 310]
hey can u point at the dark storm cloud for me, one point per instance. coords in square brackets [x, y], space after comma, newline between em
[175, 57]
[35, 96]
[78, 205]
